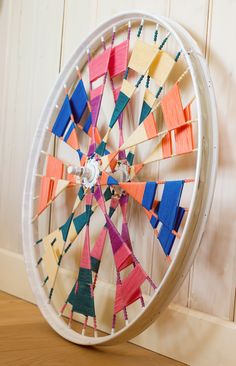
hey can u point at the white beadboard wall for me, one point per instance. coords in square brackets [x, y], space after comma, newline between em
[37, 38]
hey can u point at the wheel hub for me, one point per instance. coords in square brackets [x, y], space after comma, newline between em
[86, 175]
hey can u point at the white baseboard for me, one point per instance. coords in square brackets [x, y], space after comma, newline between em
[192, 337]
[13, 276]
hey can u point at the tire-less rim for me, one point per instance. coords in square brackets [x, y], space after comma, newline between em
[201, 198]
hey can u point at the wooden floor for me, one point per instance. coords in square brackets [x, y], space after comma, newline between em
[26, 339]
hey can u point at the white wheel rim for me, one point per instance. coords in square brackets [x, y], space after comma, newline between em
[201, 199]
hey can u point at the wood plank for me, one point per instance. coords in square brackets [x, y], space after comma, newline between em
[194, 19]
[31, 65]
[214, 277]
[27, 339]
[79, 20]
[107, 9]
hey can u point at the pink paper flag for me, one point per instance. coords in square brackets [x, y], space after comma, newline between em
[98, 65]
[118, 59]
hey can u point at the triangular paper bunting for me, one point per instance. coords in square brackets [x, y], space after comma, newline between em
[126, 92]
[129, 291]
[109, 160]
[58, 187]
[99, 64]
[97, 250]
[184, 141]
[55, 167]
[146, 131]
[95, 107]
[71, 138]
[63, 119]
[118, 59]
[122, 255]
[134, 170]
[142, 192]
[161, 67]
[142, 56]
[172, 108]
[170, 202]
[78, 101]
[107, 179]
[155, 155]
[85, 257]
[134, 189]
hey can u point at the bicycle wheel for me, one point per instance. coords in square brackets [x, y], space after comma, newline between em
[120, 179]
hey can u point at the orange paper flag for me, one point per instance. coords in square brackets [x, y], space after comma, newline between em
[45, 193]
[184, 135]
[172, 108]
[167, 146]
[54, 167]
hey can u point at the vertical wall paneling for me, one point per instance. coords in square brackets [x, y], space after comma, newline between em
[30, 56]
[37, 38]
[213, 285]
[79, 21]
[194, 18]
